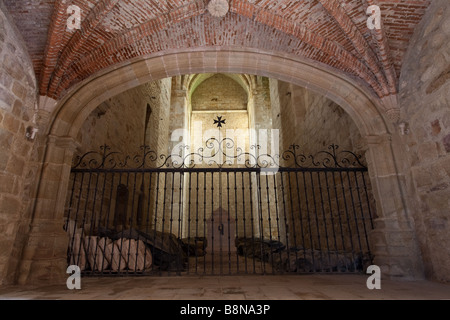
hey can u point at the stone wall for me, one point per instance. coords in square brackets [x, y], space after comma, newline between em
[311, 120]
[219, 92]
[238, 198]
[117, 122]
[329, 211]
[157, 132]
[17, 173]
[126, 122]
[424, 101]
[134, 118]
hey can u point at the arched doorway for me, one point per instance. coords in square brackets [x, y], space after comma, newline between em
[393, 240]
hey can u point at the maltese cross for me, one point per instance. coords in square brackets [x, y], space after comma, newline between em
[219, 122]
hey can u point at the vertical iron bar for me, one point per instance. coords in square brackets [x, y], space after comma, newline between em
[99, 214]
[260, 222]
[286, 227]
[84, 220]
[129, 221]
[115, 223]
[243, 220]
[124, 220]
[332, 215]
[354, 213]
[277, 218]
[301, 216]
[367, 199]
[205, 222]
[107, 218]
[156, 223]
[309, 223]
[89, 233]
[347, 215]
[69, 210]
[71, 251]
[180, 210]
[212, 223]
[196, 226]
[228, 222]
[171, 203]
[252, 220]
[269, 214]
[362, 214]
[227, 218]
[324, 217]
[147, 220]
[220, 235]
[99, 221]
[339, 216]
[189, 216]
[236, 221]
[294, 229]
[368, 207]
[131, 227]
[317, 220]
[164, 217]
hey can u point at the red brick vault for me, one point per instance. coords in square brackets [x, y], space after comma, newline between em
[329, 32]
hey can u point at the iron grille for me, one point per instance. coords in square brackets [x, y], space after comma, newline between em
[201, 213]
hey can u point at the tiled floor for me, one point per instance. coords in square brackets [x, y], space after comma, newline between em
[295, 287]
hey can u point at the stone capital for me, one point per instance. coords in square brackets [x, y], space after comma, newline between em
[63, 142]
[180, 93]
[378, 140]
[391, 107]
[42, 118]
[46, 103]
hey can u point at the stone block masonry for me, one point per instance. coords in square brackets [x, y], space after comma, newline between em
[17, 171]
[424, 101]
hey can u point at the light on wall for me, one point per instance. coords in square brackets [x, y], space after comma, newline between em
[31, 132]
[218, 8]
[404, 128]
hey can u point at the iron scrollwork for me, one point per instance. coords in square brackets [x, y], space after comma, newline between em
[325, 159]
[218, 153]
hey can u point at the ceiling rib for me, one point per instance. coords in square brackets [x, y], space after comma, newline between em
[78, 40]
[56, 29]
[385, 53]
[351, 31]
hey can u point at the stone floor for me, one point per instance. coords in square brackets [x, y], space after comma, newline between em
[292, 287]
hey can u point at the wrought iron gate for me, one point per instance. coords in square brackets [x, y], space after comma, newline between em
[210, 212]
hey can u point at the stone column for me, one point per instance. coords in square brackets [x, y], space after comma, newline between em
[44, 258]
[179, 121]
[178, 114]
[393, 241]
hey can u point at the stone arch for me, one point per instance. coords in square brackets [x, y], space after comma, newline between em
[196, 80]
[393, 227]
[356, 99]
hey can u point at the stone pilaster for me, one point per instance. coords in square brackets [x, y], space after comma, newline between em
[393, 239]
[391, 106]
[44, 257]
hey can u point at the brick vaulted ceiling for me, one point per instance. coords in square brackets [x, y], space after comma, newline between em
[331, 32]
